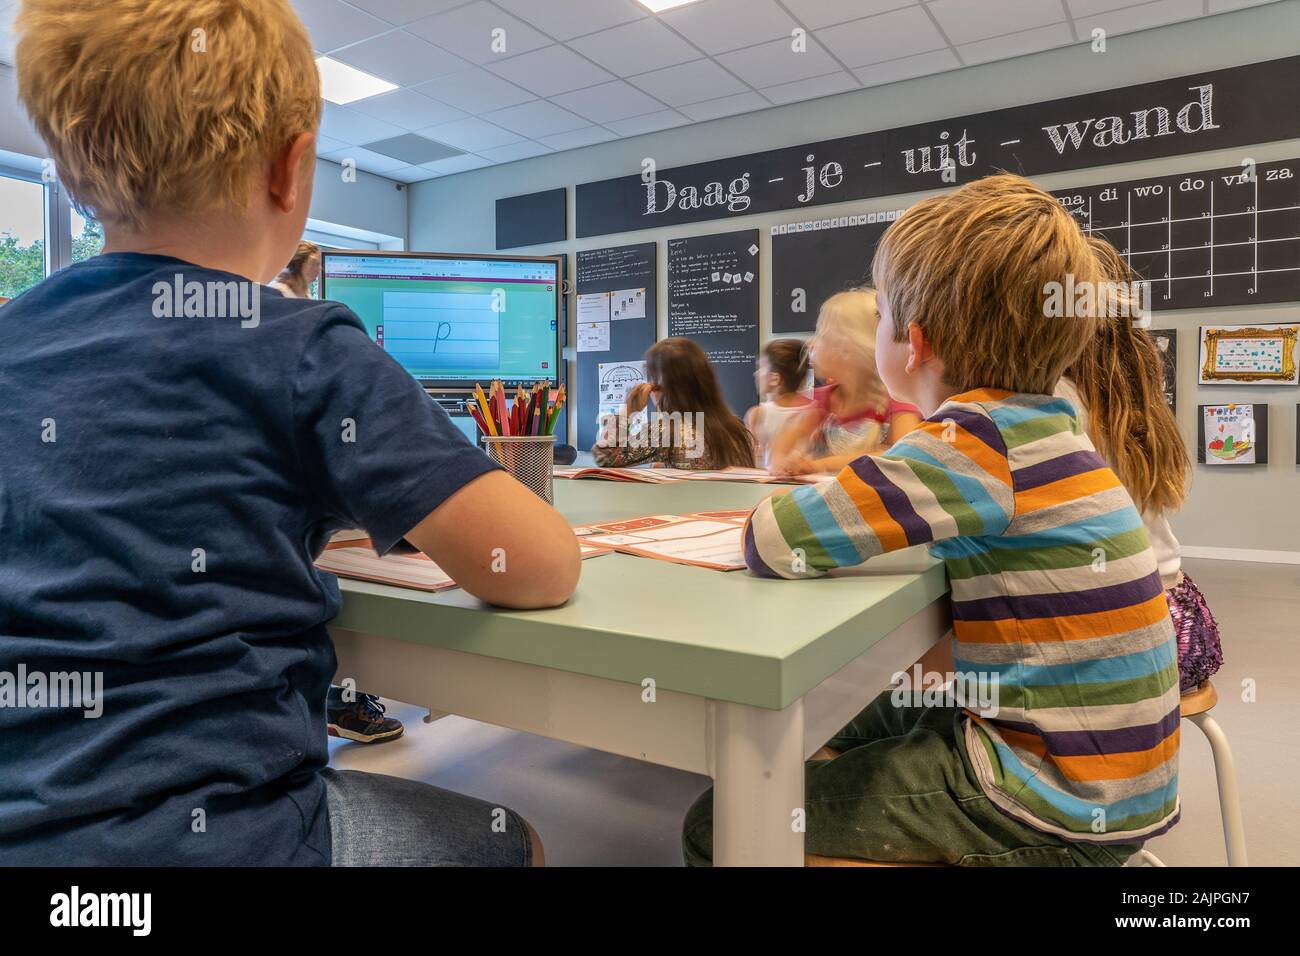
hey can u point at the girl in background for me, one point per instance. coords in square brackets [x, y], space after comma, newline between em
[852, 414]
[779, 378]
[1117, 387]
[681, 381]
[303, 269]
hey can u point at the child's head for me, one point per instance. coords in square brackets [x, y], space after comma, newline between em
[1120, 378]
[843, 349]
[782, 368]
[303, 269]
[964, 280]
[163, 112]
[684, 382]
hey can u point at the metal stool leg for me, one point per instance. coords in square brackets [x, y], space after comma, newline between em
[1234, 834]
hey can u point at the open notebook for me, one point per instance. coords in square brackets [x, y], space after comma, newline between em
[355, 558]
[705, 539]
[657, 476]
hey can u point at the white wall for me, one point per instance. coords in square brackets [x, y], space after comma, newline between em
[1248, 508]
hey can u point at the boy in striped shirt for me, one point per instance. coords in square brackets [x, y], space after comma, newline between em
[1055, 591]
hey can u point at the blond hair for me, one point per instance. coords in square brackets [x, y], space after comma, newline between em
[847, 323]
[972, 270]
[159, 106]
[1120, 380]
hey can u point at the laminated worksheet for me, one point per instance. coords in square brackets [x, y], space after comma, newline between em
[712, 540]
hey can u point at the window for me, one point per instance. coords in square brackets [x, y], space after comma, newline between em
[87, 238]
[23, 259]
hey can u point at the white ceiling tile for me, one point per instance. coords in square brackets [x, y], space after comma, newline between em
[457, 164]
[411, 174]
[566, 19]
[884, 37]
[347, 125]
[507, 154]
[1084, 8]
[536, 119]
[608, 101]
[471, 133]
[1016, 44]
[1220, 6]
[326, 145]
[689, 83]
[333, 24]
[549, 71]
[637, 47]
[468, 32]
[966, 22]
[474, 91]
[404, 11]
[775, 62]
[815, 14]
[721, 25]
[407, 109]
[365, 159]
[587, 136]
[809, 89]
[1141, 18]
[401, 58]
[904, 68]
[725, 106]
[651, 122]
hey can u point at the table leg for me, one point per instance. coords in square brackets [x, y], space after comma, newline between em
[758, 785]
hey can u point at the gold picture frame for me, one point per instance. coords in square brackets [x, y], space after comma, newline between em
[1211, 337]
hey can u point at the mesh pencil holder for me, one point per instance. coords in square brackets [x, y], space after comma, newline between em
[529, 458]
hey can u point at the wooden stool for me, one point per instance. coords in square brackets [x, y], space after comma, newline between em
[1195, 706]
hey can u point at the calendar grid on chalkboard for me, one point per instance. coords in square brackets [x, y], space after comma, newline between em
[1209, 238]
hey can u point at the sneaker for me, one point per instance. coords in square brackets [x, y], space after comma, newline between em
[362, 720]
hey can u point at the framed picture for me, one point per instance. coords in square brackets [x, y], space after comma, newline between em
[1249, 354]
[1232, 434]
[1166, 341]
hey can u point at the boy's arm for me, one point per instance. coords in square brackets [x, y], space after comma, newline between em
[378, 454]
[944, 479]
[502, 544]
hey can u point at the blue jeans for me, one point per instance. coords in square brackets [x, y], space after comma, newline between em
[376, 820]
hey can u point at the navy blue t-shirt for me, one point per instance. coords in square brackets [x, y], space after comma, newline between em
[165, 483]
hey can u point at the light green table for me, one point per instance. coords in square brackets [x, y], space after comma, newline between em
[718, 673]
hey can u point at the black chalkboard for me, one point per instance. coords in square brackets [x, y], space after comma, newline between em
[713, 300]
[1256, 103]
[532, 219]
[811, 261]
[614, 269]
[1212, 238]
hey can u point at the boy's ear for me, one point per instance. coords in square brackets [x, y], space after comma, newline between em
[288, 170]
[918, 349]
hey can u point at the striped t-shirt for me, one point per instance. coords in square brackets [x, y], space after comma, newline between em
[1055, 594]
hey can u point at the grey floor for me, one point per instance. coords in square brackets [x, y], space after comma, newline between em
[594, 809]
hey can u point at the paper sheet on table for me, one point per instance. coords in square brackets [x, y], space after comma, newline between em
[416, 571]
[681, 539]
